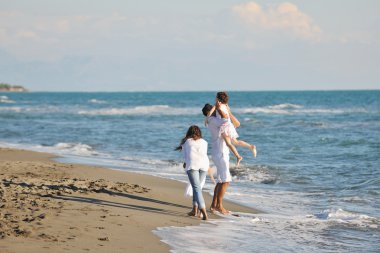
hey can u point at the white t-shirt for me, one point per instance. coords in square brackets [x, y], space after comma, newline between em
[195, 154]
[219, 146]
[220, 151]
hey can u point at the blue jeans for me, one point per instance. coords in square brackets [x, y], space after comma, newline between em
[195, 178]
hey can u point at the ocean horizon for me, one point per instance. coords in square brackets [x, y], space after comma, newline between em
[186, 91]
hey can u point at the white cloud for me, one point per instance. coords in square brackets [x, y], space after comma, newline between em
[27, 35]
[285, 16]
[49, 38]
[63, 25]
[10, 14]
[247, 26]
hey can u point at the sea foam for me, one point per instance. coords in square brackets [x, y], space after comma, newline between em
[296, 109]
[96, 101]
[255, 233]
[142, 110]
[76, 148]
[5, 99]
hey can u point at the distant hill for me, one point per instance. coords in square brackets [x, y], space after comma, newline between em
[4, 87]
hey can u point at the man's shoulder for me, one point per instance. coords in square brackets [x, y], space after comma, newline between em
[215, 121]
[212, 119]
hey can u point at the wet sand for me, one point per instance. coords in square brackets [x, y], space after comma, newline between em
[46, 206]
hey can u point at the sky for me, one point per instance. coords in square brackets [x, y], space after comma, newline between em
[198, 45]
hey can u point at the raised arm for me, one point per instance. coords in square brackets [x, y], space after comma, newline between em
[234, 120]
[211, 111]
[213, 120]
[222, 114]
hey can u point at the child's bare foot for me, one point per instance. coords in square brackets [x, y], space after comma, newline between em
[254, 151]
[238, 160]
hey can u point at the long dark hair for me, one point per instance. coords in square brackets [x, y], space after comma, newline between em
[193, 132]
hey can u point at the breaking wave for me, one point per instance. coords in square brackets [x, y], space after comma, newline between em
[142, 110]
[6, 100]
[298, 109]
[261, 174]
[348, 218]
[96, 101]
[76, 148]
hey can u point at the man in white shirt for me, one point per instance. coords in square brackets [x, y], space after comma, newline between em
[220, 155]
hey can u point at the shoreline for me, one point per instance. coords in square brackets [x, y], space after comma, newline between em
[50, 206]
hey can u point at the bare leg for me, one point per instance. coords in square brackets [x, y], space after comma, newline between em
[194, 211]
[215, 198]
[245, 145]
[204, 214]
[232, 148]
[222, 191]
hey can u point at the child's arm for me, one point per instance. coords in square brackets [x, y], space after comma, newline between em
[234, 120]
[211, 111]
[209, 115]
[222, 114]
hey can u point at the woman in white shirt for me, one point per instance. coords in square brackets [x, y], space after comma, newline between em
[196, 164]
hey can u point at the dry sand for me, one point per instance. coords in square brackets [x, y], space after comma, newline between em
[46, 206]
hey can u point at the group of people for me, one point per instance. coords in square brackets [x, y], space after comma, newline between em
[222, 125]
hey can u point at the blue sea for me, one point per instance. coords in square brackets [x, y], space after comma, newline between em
[316, 177]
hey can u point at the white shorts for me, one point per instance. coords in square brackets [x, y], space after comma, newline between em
[222, 163]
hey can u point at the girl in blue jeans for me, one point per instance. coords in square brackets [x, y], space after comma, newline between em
[196, 164]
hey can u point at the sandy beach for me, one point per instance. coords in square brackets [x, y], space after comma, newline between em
[48, 206]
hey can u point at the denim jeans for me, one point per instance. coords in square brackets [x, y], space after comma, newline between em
[195, 178]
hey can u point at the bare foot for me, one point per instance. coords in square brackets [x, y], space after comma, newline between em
[212, 210]
[203, 214]
[254, 151]
[238, 160]
[193, 212]
[223, 211]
